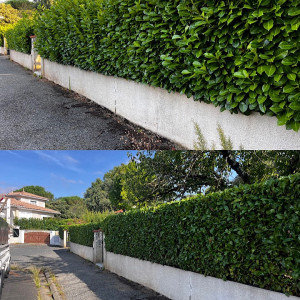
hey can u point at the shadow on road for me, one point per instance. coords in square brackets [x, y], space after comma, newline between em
[81, 279]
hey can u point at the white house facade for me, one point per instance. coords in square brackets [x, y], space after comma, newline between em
[24, 205]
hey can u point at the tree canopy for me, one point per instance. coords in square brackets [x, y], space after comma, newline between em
[96, 196]
[156, 177]
[37, 190]
[69, 207]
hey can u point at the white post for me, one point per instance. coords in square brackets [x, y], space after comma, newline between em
[65, 238]
[8, 212]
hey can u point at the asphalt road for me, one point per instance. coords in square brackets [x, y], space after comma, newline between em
[37, 114]
[80, 279]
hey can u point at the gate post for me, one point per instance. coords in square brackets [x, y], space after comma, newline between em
[65, 238]
[98, 248]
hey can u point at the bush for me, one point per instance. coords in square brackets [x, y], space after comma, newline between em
[43, 224]
[83, 234]
[18, 38]
[242, 56]
[66, 224]
[248, 234]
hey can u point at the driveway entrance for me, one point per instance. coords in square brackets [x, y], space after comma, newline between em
[37, 238]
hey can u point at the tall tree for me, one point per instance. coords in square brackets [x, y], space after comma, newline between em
[113, 180]
[69, 207]
[37, 190]
[156, 177]
[96, 197]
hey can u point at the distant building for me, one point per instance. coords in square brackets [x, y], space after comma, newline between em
[24, 205]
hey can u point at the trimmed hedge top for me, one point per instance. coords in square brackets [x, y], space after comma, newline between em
[83, 234]
[242, 56]
[248, 234]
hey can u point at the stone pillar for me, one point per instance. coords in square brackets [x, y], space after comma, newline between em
[98, 246]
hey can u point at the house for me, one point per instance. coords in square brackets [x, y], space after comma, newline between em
[24, 205]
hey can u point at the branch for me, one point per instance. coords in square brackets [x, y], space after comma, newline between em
[236, 166]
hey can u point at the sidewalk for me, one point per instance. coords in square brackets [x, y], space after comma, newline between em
[19, 286]
[37, 114]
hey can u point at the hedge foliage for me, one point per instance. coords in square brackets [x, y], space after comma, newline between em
[248, 234]
[18, 38]
[83, 234]
[242, 56]
[43, 224]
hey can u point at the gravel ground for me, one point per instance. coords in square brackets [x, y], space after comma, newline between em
[80, 279]
[38, 114]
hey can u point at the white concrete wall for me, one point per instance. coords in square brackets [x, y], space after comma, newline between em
[83, 251]
[170, 115]
[22, 59]
[3, 50]
[183, 285]
[54, 238]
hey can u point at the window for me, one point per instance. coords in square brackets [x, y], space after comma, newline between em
[33, 202]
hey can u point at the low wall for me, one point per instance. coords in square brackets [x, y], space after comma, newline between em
[183, 285]
[168, 114]
[3, 50]
[172, 115]
[83, 251]
[22, 59]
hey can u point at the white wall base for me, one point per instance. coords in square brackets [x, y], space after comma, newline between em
[83, 251]
[184, 285]
[3, 50]
[22, 59]
[170, 115]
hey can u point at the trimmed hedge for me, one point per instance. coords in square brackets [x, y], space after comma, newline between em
[18, 38]
[43, 224]
[242, 56]
[83, 234]
[248, 234]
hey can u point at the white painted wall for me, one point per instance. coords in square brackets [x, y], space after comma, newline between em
[171, 115]
[83, 251]
[183, 285]
[40, 203]
[23, 59]
[54, 238]
[3, 50]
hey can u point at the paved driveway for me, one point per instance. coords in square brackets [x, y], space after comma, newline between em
[37, 114]
[80, 279]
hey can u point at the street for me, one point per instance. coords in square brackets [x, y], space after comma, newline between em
[80, 279]
[38, 114]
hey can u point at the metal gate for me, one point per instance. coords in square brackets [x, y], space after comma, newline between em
[37, 238]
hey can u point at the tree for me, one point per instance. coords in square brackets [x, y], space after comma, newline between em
[156, 177]
[8, 17]
[96, 197]
[37, 190]
[69, 207]
[113, 181]
[21, 4]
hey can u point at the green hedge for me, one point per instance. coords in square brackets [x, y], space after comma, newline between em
[83, 234]
[43, 224]
[248, 234]
[242, 55]
[18, 37]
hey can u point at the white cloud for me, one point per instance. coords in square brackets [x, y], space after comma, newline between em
[66, 180]
[60, 159]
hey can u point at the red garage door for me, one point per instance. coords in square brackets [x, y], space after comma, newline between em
[37, 238]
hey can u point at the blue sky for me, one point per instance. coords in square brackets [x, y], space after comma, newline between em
[63, 173]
